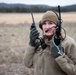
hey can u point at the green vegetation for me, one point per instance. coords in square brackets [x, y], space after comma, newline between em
[22, 9]
[35, 8]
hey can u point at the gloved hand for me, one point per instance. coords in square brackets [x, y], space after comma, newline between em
[33, 36]
[55, 50]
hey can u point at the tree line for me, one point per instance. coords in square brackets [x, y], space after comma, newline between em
[33, 9]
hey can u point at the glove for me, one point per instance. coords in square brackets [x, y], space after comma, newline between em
[56, 50]
[33, 36]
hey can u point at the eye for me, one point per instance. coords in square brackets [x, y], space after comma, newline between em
[50, 22]
[44, 23]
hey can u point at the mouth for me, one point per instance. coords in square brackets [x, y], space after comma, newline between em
[49, 29]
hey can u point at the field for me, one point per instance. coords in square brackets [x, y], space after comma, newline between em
[14, 36]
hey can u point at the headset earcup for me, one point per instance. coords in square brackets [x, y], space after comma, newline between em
[40, 25]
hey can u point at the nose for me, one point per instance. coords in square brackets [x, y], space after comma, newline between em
[47, 25]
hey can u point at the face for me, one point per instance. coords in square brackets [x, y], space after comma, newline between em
[49, 28]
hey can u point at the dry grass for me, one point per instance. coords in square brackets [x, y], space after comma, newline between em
[14, 36]
[15, 18]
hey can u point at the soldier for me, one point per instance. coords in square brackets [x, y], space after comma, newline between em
[51, 59]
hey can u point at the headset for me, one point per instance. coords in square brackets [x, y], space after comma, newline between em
[40, 24]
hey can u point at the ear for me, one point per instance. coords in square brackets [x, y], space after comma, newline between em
[40, 25]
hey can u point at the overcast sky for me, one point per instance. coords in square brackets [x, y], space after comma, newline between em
[47, 2]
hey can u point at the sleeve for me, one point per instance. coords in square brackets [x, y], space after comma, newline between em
[67, 62]
[28, 56]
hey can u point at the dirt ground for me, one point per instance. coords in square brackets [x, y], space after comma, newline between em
[12, 69]
[12, 48]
